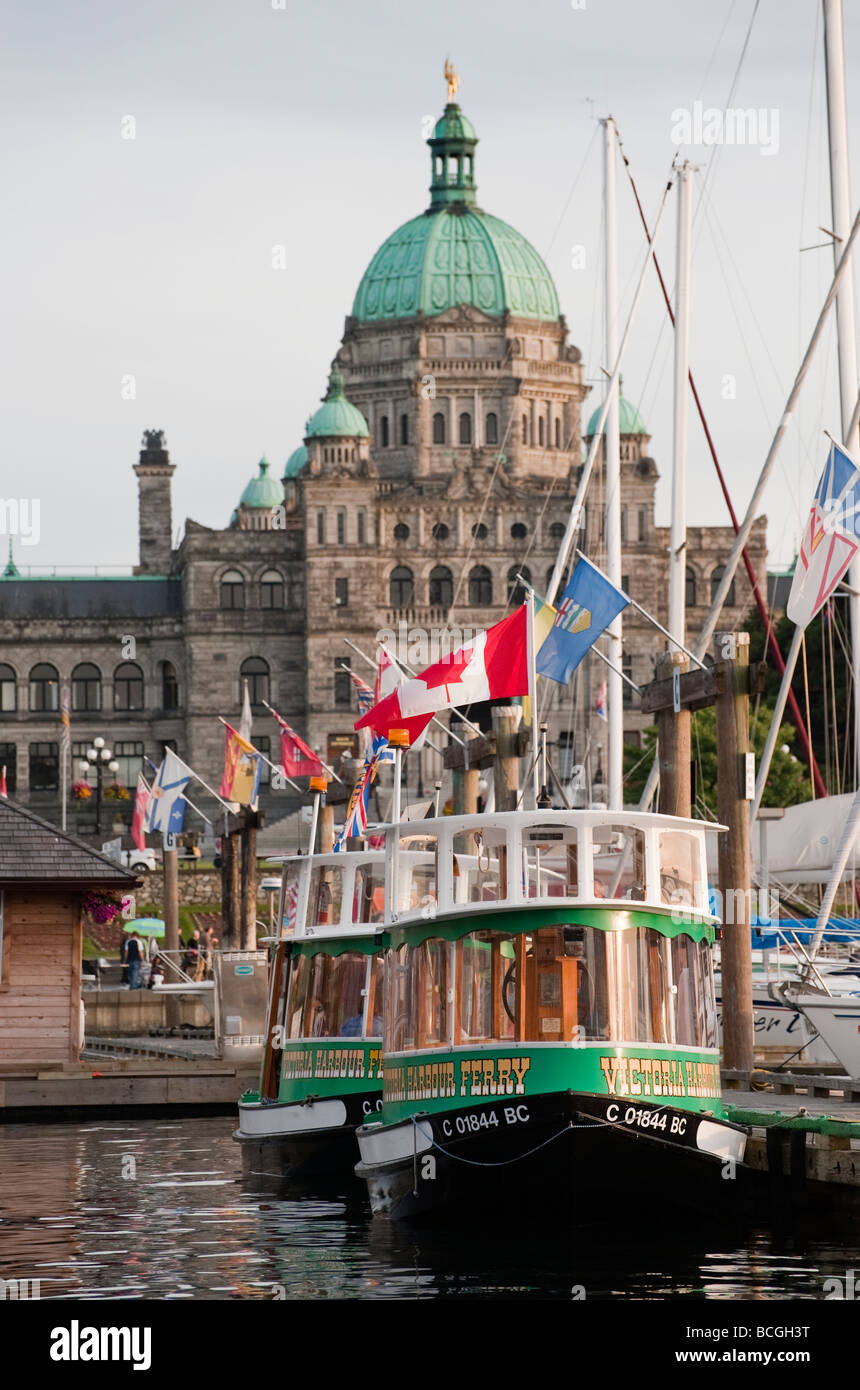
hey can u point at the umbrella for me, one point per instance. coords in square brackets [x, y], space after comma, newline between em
[147, 926]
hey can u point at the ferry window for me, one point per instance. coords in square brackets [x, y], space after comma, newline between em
[290, 900]
[344, 981]
[375, 987]
[429, 971]
[368, 897]
[485, 967]
[550, 862]
[629, 985]
[565, 984]
[679, 868]
[480, 868]
[326, 896]
[619, 862]
[417, 874]
[298, 994]
[695, 1016]
[399, 1022]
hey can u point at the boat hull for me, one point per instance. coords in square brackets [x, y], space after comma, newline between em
[303, 1139]
[578, 1153]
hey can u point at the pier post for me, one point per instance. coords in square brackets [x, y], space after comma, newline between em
[248, 913]
[673, 743]
[506, 765]
[735, 866]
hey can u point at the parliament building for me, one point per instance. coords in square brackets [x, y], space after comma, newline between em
[442, 461]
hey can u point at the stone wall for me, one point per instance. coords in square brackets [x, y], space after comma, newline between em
[203, 886]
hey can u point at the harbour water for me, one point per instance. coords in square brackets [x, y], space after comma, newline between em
[157, 1209]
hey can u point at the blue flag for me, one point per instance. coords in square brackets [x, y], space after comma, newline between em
[588, 605]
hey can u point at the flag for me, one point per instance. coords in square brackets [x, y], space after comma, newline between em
[165, 808]
[3, 791]
[363, 693]
[65, 719]
[245, 719]
[492, 666]
[830, 538]
[297, 760]
[141, 799]
[355, 822]
[390, 674]
[588, 605]
[291, 903]
[600, 707]
[242, 767]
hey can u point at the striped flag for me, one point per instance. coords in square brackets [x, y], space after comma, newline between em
[356, 812]
[65, 718]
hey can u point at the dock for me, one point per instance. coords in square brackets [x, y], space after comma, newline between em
[120, 1086]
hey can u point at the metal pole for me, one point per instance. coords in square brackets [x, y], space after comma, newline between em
[576, 507]
[840, 198]
[612, 446]
[678, 539]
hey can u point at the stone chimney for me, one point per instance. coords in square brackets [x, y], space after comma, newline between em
[154, 472]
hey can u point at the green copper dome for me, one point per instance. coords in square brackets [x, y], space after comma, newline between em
[296, 462]
[455, 253]
[629, 419]
[336, 416]
[263, 491]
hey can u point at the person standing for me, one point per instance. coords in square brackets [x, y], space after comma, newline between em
[134, 956]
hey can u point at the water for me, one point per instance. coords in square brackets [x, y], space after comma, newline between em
[157, 1209]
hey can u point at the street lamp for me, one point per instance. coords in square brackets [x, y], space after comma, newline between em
[99, 757]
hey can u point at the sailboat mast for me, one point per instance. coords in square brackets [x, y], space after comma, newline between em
[840, 198]
[678, 541]
[612, 447]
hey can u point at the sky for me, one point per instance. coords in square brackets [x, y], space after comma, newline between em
[156, 156]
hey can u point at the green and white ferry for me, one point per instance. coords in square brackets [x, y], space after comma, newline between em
[321, 1074]
[549, 1016]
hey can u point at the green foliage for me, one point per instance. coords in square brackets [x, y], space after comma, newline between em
[788, 781]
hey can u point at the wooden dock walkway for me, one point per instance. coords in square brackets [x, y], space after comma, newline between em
[121, 1085]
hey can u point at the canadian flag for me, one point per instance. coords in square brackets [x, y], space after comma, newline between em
[492, 666]
[389, 675]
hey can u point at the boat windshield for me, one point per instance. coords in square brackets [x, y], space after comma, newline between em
[335, 996]
[565, 984]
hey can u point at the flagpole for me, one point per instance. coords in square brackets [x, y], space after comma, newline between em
[605, 659]
[329, 770]
[280, 771]
[773, 731]
[532, 676]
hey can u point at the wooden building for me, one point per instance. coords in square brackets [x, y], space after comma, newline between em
[44, 875]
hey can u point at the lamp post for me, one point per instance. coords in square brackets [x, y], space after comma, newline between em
[100, 757]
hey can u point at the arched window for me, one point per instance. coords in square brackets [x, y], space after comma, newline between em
[440, 531]
[441, 587]
[438, 428]
[232, 589]
[525, 429]
[383, 431]
[557, 433]
[516, 592]
[479, 531]
[44, 687]
[8, 690]
[480, 587]
[540, 431]
[401, 531]
[491, 433]
[255, 671]
[401, 587]
[556, 531]
[169, 686]
[519, 531]
[404, 429]
[716, 580]
[86, 687]
[341, 527]
[690, 588]
[271, 589]
[128, 686]
[465, 428]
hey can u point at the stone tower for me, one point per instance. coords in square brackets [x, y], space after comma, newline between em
[154, 471]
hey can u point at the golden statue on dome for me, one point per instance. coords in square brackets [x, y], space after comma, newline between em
[452, 78]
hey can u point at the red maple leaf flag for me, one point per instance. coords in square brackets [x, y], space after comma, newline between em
[492, 666]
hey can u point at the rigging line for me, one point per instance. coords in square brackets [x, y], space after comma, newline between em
[716, 49]
[573, 189]
[715, 149]
[806, 699]
[760, 601]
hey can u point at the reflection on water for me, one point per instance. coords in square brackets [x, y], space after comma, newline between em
[158, 1209]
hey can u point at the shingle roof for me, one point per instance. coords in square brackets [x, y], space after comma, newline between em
[33, 851]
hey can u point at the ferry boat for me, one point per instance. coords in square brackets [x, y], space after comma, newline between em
[550, 1026]
[321, 1074]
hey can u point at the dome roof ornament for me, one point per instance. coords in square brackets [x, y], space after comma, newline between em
[452, 78]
